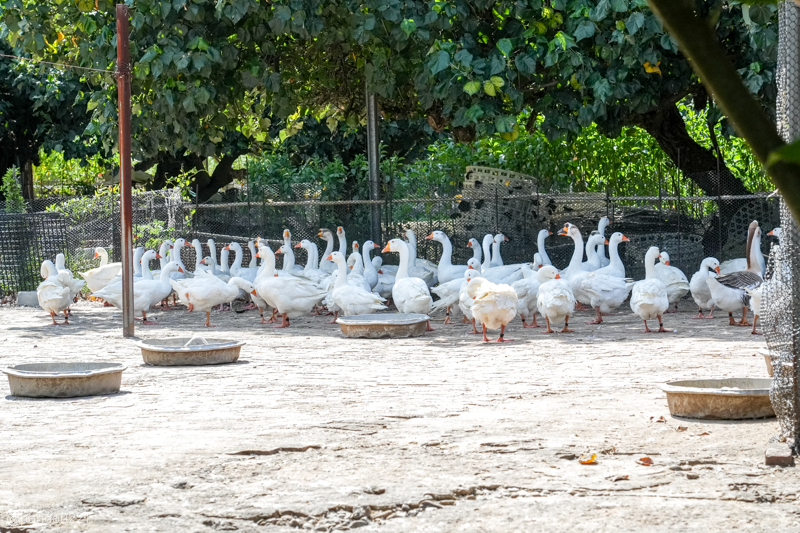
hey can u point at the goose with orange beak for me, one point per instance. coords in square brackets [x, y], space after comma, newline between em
[674, 279]
[494, 306]
[99, 277]
[449, 292]
[206, 291]
[555, 300]
[146, 292]
[409, 294]
[701, 294]
[326, 235]
[351, 299]
[446, 270]
[649, 296]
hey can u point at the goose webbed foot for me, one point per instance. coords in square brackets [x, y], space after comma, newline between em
[599, 318]
[646, 329]
[661, 326]
[474, 329]
[465, 320]
[447, 318]
[566, 327]
[428, 326]
[755, 321]
[335, 316]
[208, 320]
[699, 313]
[285, 323]
[743, 321]
[502, 333]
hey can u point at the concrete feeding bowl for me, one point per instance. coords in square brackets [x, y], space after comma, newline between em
[64, 380]
[380, 325]
[184, 351]
[767, 359]
[720, 399]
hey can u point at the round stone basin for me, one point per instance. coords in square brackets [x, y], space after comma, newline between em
[186, 351]
[381, 325]
[64, 380]
[720, 399]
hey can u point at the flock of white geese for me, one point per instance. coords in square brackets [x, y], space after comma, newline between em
[488, 292]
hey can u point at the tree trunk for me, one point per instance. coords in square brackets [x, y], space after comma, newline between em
[26, 173]
[203, 184]
[699, 164]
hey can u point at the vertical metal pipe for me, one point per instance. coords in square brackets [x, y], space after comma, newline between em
[373, 158]
[124, 101]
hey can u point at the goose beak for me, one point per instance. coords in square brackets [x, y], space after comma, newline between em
[770, 232]
[158, 256]
[540, 266]
[319, 234]
[429, 237]
[96, 255]
[469, 267]
[558, 276]
[469, 244]
[285, 233]
[625, 239]
[202, 261]
[666, 263]
[564, 231]
[505, 238]
[329, 258]
[278, 251]
[549, 232]
[380, 271]
[376, 245]
[351, 268]
[386, 249]
[180, 269]
[717, 269]
[171, 247]
[226, 248]
[297, 245]
[339, 229]
[253, 292]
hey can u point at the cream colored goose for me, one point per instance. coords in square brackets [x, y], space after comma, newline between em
[606, 293]
[409, 294]
[75, 285]
[446, 270]
[205, 291]
[494, 306]
[754, 250]
[99, 277]
[615, 267]
[465, 301]
[146, 292]
[527, 290]
[326, 235]
[555, 301]
[729, 291]
[649, 297]
[601, 249]
[349, 299]
[699, 287]
[55, 293]
[674, 279]
[543, 234]
[292, 296]
[448, 292]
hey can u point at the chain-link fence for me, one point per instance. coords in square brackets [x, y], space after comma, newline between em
[488, 201]
[781, 291]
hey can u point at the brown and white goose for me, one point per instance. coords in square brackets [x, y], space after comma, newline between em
[730, 291]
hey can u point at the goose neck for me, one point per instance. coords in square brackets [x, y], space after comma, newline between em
[613, 252]
[402, 270]
[447, 252]
[341, 274]
[540, 245]
[312, 263]
[577, 254]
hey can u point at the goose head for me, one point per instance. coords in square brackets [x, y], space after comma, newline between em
[664, 258]
[471, 274]
[287, 235]
[473, 243]
[546, 273]
[544, 233]
[570, 230]
[180, 241]
[617, 238]
[474, 284]
[336, 257]
[500, 238]
[775, 232]
[325, 234]
[652, 254]
[440, 236]
[393, 245]
[206, 260]
[594, 240]
[710, 263]
[473, 264]
[340, 231]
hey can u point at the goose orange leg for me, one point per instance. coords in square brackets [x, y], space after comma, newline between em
[146, 322]
[447, 317]
[566, 326]
[428, 326]
[711, 312]
[755, 321]
[599, 318]
[646, 329]
[208, 320]
[661, 325]
[549, 329]
[486, 339]
[699, 313]
[272, 318]
[502, 333]
[285, 323]
[474, 329]
[743, 321]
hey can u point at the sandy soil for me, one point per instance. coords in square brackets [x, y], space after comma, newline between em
[437, 433]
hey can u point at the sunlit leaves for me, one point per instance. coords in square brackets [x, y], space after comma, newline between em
[472, 87]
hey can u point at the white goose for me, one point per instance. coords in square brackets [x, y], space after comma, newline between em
[291, 296]
[146, 292]
[349, 299]
[409, 294]
[592, 262]
[674, 279]
[601, 249]
[543, 234]
[606, 293]
[754, 248]
[420, 268]
[649, 297]
[615, 267]
[311, 270]
[175, 255]
[370, 272]
[253, 255]
[289, 264]
[476, 249]
[729, 291]
[699, 287]
[385, 278]
[465, 301]
[55, 293]
[575, 272]
[212, 252]
[99, 277]
[555, 301]
[325, 265]
[527, 290]
[501, 274]
[755, 305]
[137, 262]
[236, 269]
[446, 270]
[497, 259]
[494, 306]
[75, 284]
[448, 292]
[198, 256]
[205, 291]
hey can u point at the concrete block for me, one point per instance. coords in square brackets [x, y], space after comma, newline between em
[779, 455]
[28, 299]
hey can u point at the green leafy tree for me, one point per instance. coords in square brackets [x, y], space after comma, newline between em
[12, 192]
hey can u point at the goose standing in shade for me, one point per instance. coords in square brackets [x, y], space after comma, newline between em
[555, 301]
[497, 259]
[601, 249]
[198, 256]
[606, 293]
[253, 255]
[543, 234]
[615, 267]
[527, 290]
[493, 305]
[674, 279]
[448, 292]
[237, 270]
[291, 296]
[370, 272]
[349, 299]
[476, 249]
[755, 305]
[446, 270]
[699, 287]
[311, 270]
[99, 277]
[649, 297]
[175, 255]
[55, 293]
[76, 285]
[729, 291]
[146, 292]
[325, 265]
[753, 249]
[409, 294]
[205, 291]
[385, 280]
[592, 262]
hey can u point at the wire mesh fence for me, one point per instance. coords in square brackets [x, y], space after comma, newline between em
[489, 201]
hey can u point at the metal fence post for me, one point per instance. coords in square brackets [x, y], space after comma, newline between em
[373, 156]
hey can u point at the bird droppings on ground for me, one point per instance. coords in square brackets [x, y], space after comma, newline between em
[313, 431]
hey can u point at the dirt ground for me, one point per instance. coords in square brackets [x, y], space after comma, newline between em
[438, 433]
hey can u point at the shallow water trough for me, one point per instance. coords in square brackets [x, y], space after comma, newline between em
[720, 399]
[64, 380]
[185, 351]
[382, 325]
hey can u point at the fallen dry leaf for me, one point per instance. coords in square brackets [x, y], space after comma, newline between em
[703, 433]
[645, 461]
[681, 428]
[588, 460]
[661, 419]
[618, 478]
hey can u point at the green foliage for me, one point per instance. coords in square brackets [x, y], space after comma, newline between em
[152, 234]
[56, 175]
[12, 192]
[85, 208]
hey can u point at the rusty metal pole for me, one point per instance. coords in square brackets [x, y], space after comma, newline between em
[124, 100]
[374, 164]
